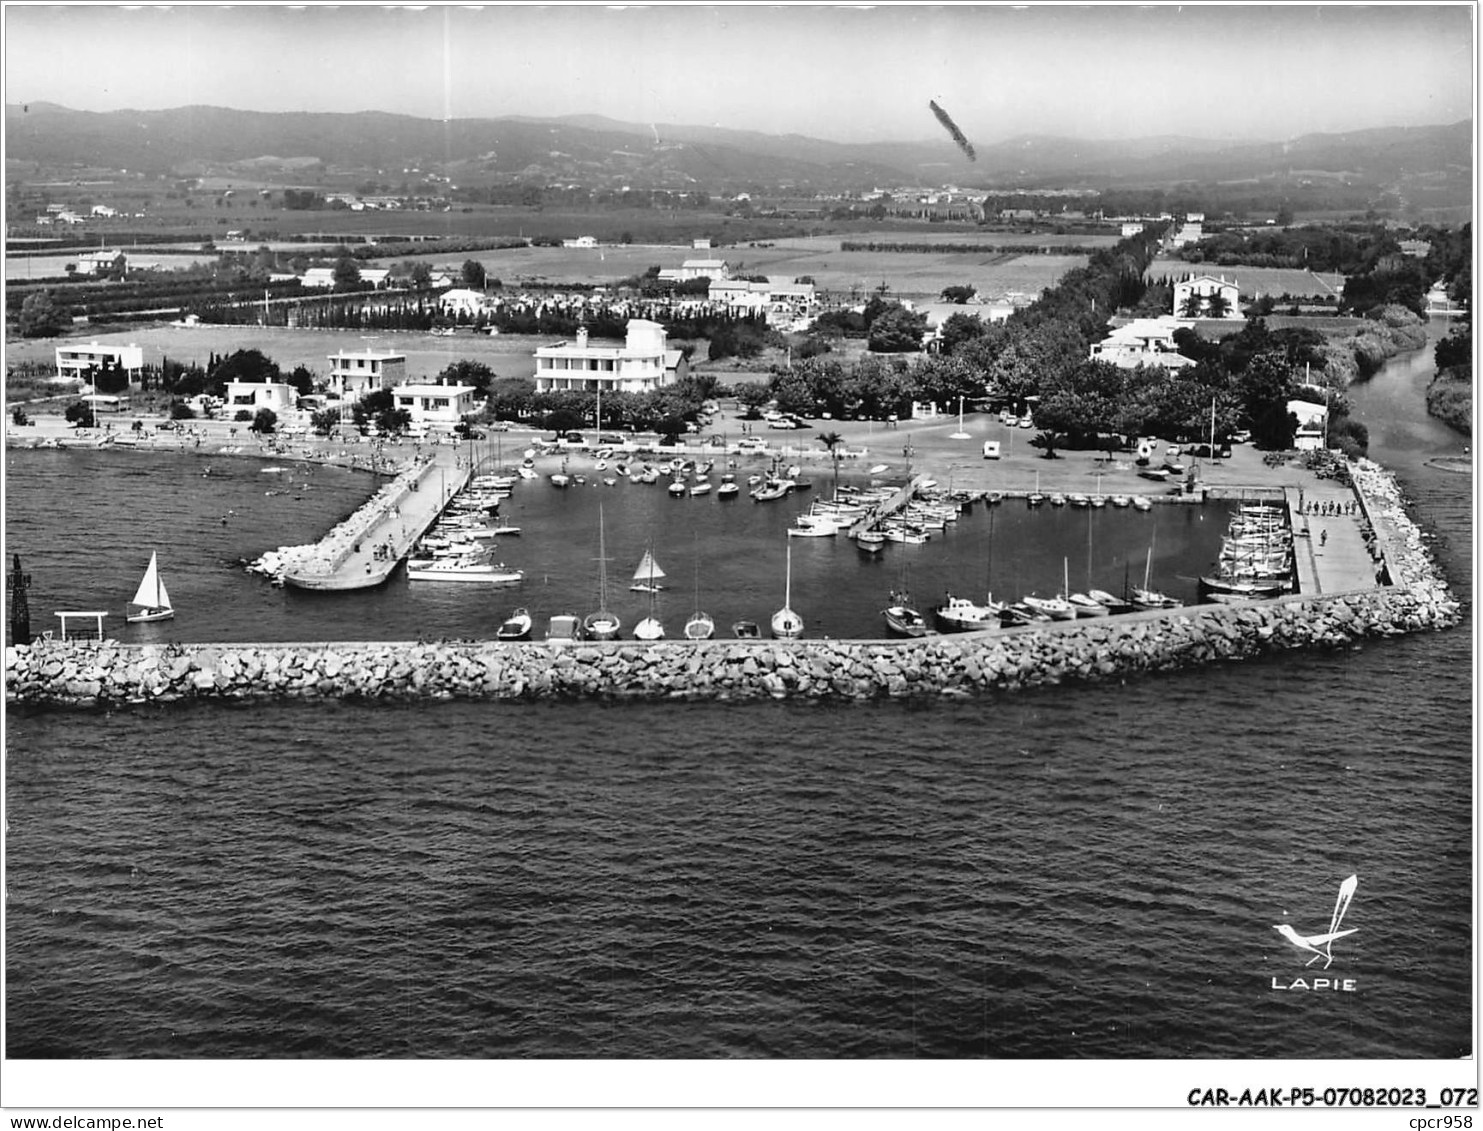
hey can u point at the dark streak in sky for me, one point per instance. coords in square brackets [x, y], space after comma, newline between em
[952, 127]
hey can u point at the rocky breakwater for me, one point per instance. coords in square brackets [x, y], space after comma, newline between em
[1400, 543]
[110, 673]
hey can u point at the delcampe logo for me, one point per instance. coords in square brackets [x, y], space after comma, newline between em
[1322, 946]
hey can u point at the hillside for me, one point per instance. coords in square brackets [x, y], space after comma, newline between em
[596, 151]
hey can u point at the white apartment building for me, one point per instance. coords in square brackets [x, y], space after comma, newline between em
[354, 374]
[640, 365]
[435, 405]
[79, 362]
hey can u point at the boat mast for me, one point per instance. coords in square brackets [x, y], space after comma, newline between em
[788, 580]
[602, 564]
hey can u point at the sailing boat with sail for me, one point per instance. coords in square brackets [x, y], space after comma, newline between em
[786, 624]
[650, 628]
[601, 625]
[151, 602]
[646, 578]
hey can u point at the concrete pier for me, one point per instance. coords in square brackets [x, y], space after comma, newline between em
[363, 551]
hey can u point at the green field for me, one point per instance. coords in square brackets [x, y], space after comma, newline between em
[841, 273]
[1255, 281]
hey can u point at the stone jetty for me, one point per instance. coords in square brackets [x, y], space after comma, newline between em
[109, 673]
[112, 674]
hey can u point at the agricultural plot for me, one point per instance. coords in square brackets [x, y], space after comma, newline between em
[20, 268]
[841, 273]
[1255, 282]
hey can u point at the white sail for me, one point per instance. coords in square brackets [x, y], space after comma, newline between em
[648, 569]
[151, 602]
[151, 593]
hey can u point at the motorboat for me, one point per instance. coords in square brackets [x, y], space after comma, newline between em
[677, 488]
[1056, 608]
[1078, 500]
[1151, 599]
[517, 626]
[1120, 501]
[904, 620]
[1142, 503]
[728, 491]
[1087, 605]
[871, 541]
[1108, 601]
[745, 630]
[470, 568]
[701, 488]
[813, 526]
[1057, 499]
[1019, 613]
[771, 489]
[959, 614]
[564, 628]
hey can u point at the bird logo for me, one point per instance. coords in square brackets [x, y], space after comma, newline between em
[1322, 946]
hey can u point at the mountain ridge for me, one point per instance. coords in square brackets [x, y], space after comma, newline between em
[591, 148]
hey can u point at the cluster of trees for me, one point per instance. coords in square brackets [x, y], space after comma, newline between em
[1040, 356]
[42, 316]
[1345, 249]
[887, 326]
[529, 195]
[963, 248]
[1449, 397]
[1377, 272]
[668, 411]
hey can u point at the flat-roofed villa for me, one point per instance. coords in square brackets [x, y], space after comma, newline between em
[641, 365]
[252, 395]
[433, 404]
[354, 374]
[80, 362]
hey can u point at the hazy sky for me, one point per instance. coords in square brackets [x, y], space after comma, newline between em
[845, 73]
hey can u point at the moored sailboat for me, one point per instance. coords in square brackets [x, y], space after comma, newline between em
[786, 624]
[902, 618]
[603, 624]
[700, 626]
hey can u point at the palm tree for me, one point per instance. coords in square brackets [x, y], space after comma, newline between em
[1217, 305]
[832, 440]
[1193, 301]
[1050, 441]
